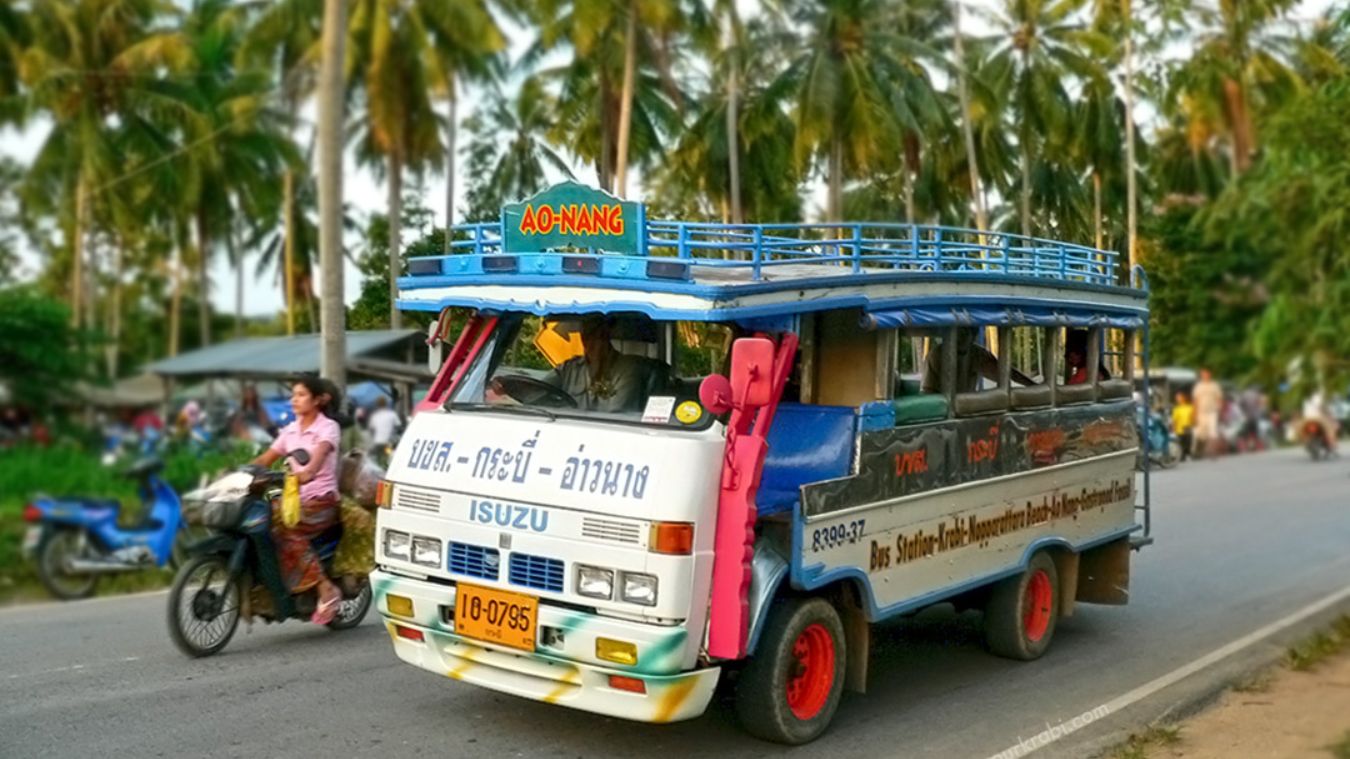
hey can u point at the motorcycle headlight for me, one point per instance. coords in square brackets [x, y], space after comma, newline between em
[398, 545]
[595, 582]
[426, 551]
[639, 588]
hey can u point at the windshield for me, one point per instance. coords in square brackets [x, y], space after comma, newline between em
[618, 367]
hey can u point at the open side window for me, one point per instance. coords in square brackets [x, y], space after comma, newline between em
[1118, 358]
[1033, 351]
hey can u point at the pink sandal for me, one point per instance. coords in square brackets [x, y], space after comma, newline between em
[327, 611]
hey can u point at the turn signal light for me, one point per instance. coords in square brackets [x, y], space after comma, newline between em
[672, 537]
[384, 494]
[617, 651]
[630, 684]
[399, 605]
[32, 513]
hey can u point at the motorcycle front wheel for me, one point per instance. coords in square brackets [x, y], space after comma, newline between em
[203, 607]
[56, 549]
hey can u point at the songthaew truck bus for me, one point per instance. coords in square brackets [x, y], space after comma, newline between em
[659, 455]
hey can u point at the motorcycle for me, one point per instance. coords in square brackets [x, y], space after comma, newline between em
[1315, 440]
[1164, 449]
[75, 541]
[235, 572]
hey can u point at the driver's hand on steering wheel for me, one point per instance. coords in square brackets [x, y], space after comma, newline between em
[496, 395]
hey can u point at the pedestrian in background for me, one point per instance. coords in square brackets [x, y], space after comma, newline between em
[1207, 396]
[1183, 423]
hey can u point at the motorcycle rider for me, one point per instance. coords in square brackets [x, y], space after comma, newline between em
[1315, 410]
[315, 430]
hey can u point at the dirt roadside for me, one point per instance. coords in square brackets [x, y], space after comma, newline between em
[1298, 710]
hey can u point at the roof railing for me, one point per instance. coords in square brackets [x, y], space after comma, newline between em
[860, 247]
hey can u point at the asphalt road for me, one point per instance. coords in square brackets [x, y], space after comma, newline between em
[1242, 543]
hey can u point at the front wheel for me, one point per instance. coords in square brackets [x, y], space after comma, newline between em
[57, 549]
[353, 609]
[1023, 610]
[203, 607]
[791, 688]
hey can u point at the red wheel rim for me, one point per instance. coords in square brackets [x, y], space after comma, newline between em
[1037, 606]
[810, 672]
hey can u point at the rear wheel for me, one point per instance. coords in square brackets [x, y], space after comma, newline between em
[789, 691]
[1023, 611]
[203, 607]
[57, 549]
[353, 609]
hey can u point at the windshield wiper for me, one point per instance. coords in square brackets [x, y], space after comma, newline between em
[523, 410]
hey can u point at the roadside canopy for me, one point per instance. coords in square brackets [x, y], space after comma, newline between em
[260, 358]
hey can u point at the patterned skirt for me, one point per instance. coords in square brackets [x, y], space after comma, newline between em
[300, 567]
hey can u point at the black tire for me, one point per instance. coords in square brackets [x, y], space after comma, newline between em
[353, 609]
[777, 666]
[1023, 611]
[202, 620]
[55, 548]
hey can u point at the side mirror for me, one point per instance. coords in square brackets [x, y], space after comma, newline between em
[715, 394]
[751, 365]
[300, 455]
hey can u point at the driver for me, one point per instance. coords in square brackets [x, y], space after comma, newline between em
[602, 378]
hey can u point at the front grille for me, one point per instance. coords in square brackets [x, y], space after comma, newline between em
[417, 500]
[611, 529]
[474, 561]
[536, 572]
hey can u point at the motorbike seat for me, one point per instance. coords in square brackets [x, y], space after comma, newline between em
[325, 544]
[143, 468]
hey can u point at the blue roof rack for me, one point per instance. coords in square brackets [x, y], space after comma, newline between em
[571, 229]
[682, 250]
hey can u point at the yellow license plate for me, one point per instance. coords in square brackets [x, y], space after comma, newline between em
[496, 616]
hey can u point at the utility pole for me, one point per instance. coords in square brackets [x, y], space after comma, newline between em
[332, 318]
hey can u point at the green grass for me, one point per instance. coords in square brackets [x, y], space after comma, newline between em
[72, 471]
[1313, 650]
[1341, 748]
[1256, 683]
[1138, 745]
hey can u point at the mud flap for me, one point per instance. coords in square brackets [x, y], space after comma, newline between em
[1104, 574]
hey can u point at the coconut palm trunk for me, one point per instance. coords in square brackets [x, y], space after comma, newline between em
[115, 310]
[203, 280]
[1097, 208]
[967, 125]
[288, 246]
[176, 299]
[626, 102]
[395, 205]
[77, 250]
[836, 181]
[1131, 183]
[333, 353]
[451, 137]
[233, 252]
[733, 117]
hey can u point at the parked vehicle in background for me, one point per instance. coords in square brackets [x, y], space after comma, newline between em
[75, 541]
[725, 451]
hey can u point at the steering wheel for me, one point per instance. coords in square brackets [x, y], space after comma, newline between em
[533, 392]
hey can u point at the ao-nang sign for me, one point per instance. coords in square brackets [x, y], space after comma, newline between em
[576, 216]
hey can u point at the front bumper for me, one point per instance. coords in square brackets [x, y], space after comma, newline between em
[555, 675]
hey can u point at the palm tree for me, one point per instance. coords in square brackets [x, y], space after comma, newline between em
[508, 152]
[1099, 140]
[1240, 67]
[392, 62]
[80, 70]
[861, 93]
[617, 95]
[284, 39]
[1038, 44]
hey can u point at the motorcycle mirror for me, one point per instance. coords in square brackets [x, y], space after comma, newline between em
[300, 455]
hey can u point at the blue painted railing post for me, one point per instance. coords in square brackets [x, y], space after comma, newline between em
[759, 249]
[914, 242]
[682, 247]
[857, 248]
[937, 250]
[1063, 263]
[1007, 253]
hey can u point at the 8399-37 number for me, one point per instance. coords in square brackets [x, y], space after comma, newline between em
[837, 534]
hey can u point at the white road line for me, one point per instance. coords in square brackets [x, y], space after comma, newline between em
[48, 605]
[74, 668]
[1153, 686]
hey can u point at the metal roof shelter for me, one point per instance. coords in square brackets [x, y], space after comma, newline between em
[278, 357]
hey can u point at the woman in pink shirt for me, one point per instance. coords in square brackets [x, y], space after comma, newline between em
[314, 431]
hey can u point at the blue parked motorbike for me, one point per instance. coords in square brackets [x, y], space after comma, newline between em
[77, 540]
[1164, 450]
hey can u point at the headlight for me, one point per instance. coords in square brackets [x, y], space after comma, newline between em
[639, 588]
[426, 551]
[595, 582]
[398, 545]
